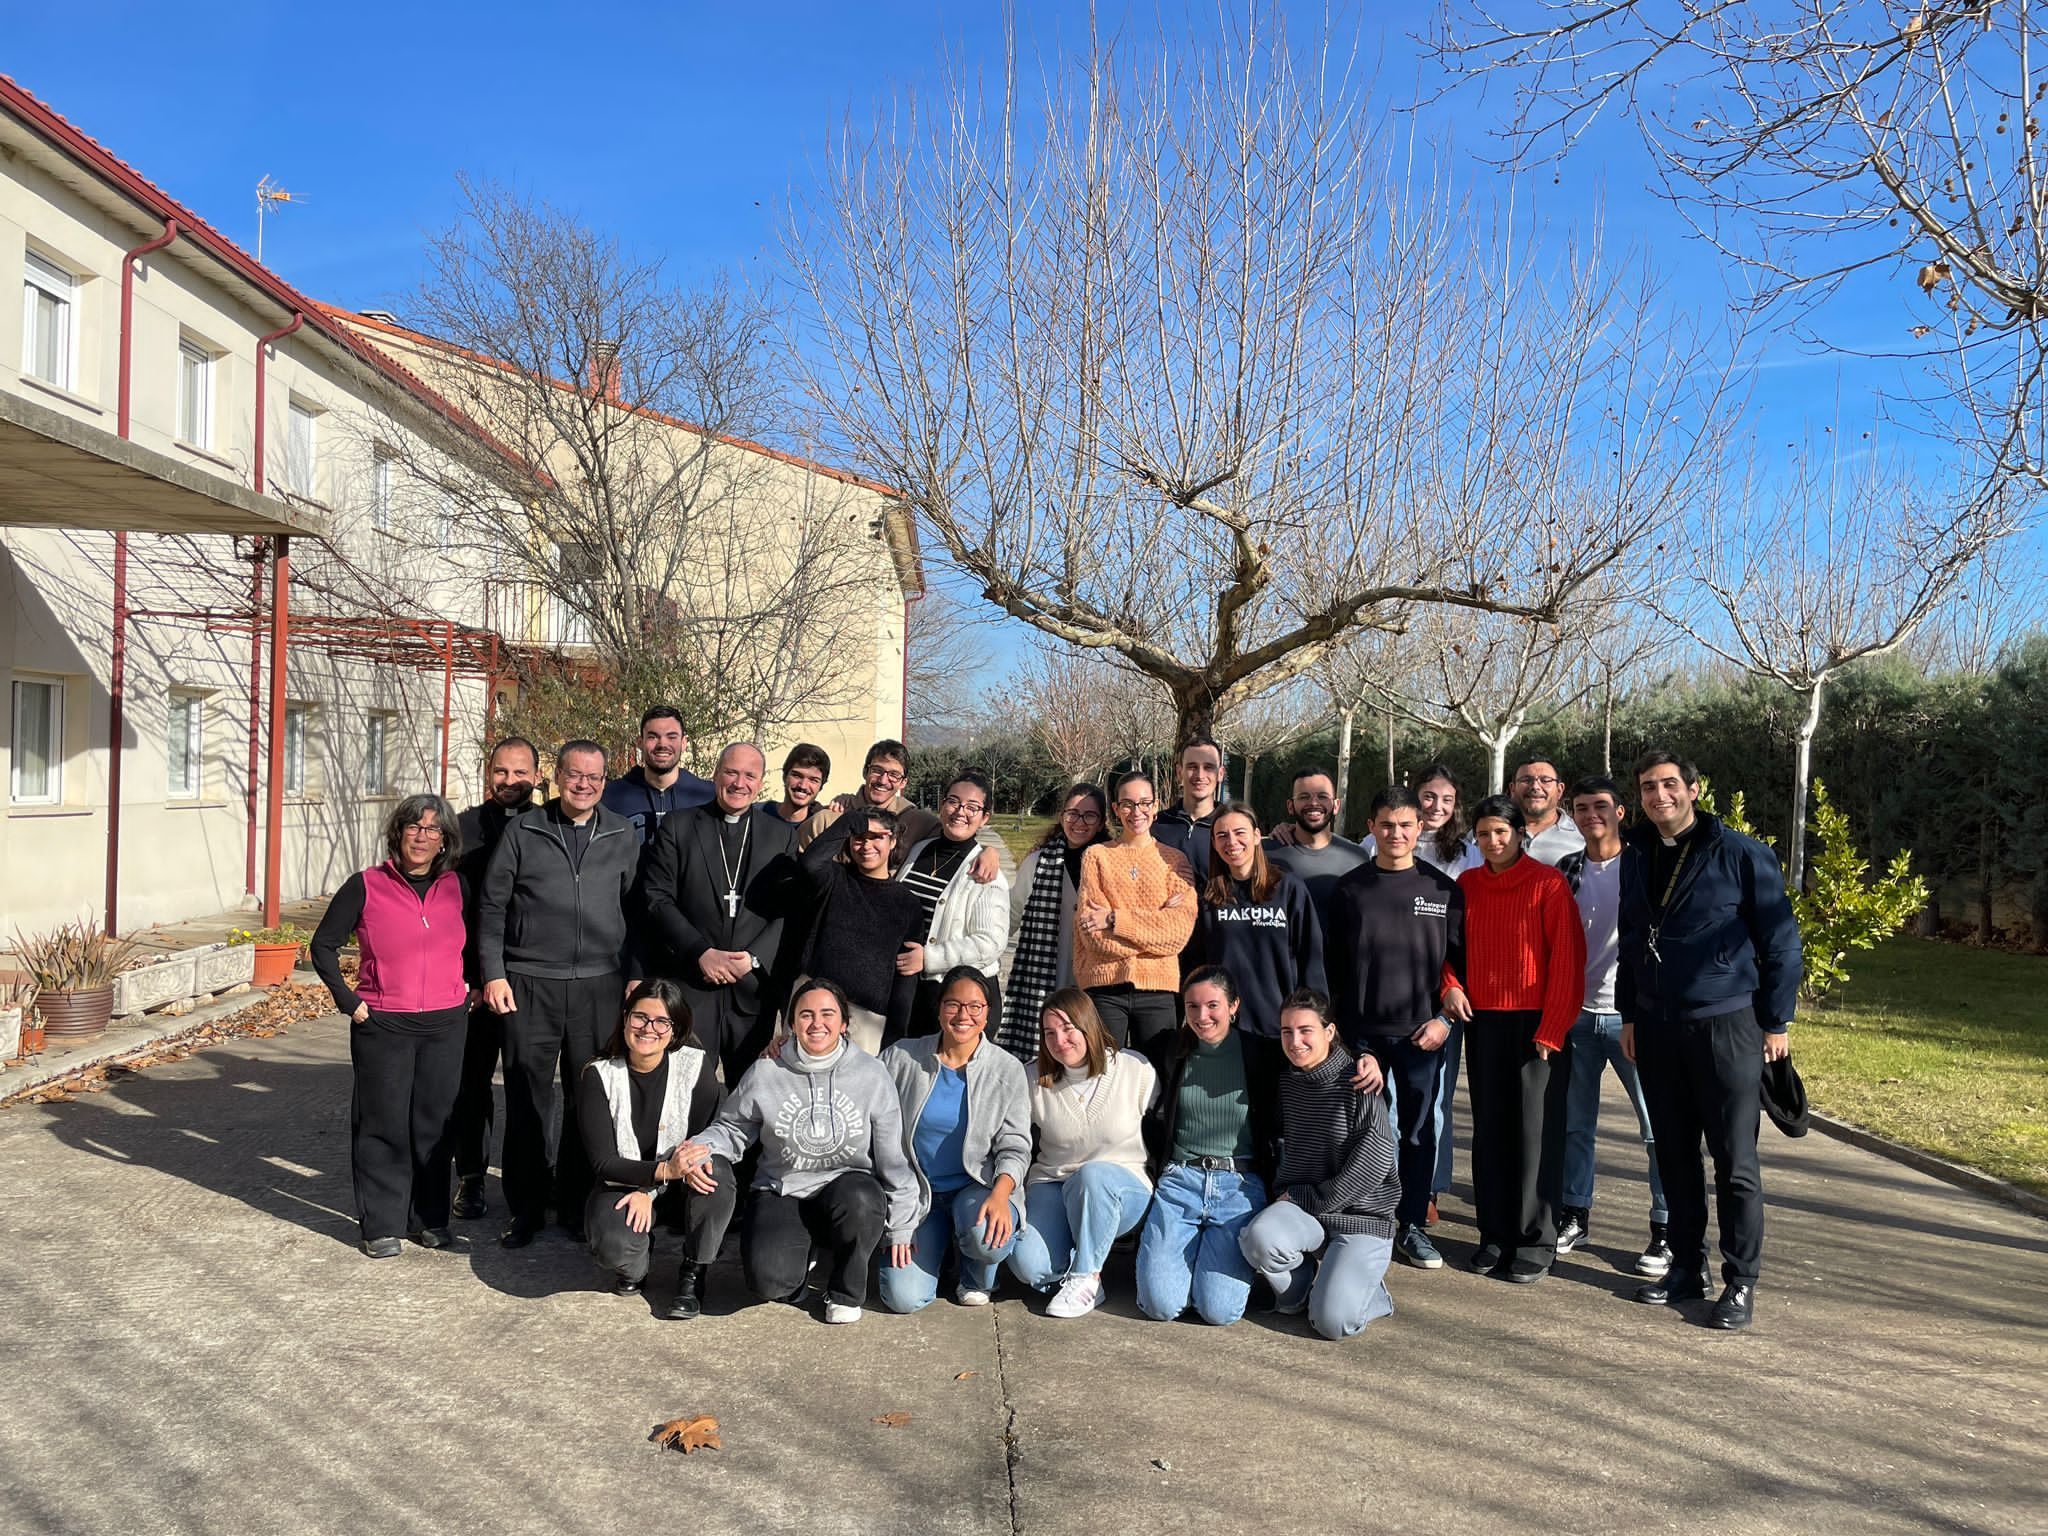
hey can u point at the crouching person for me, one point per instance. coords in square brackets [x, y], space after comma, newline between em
[1324, 1242]
[967, 1128]
[832, 1173]
[645, 1092]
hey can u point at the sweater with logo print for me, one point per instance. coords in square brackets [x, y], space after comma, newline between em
[1270, 947]
[1396, 942]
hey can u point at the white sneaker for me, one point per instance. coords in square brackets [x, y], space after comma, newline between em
[1081, 1295]
[971, 1298]
[840, 1312]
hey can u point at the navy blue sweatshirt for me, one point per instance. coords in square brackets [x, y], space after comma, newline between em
[1393, 935]
[1269, 947]
[643, 805]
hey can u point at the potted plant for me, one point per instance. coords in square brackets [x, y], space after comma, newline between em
[72, 970]
[277, 950]
[15, 997]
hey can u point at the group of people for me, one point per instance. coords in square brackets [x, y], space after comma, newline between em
[1240, 1045]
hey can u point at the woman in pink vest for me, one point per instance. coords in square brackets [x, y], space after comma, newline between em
[407, 1015]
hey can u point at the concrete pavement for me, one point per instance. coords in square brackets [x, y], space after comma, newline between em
[191, 1342]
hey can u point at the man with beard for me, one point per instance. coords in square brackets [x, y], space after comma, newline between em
[1312, 851]
[660, 786]
[514, 774]
[1550, 834]
[714, 892]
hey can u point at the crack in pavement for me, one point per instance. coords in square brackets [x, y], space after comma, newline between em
[1011, 1453]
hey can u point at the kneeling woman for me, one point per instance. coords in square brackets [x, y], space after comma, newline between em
[832, 1171]
[967, 1127]
[1337, 1185]
[648, 1089]
[1211, 1137]
[1087, 1186]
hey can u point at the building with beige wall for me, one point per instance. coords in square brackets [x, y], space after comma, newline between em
[131, 459]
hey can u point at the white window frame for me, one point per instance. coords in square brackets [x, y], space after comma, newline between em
[377, 754]
[193, 707]
[297, 732]
[53, 787]
[383, 475]
[195, 394]
[43, 278]
[302, 466]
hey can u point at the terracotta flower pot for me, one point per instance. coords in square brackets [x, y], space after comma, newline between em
[80, 1015]
[31, 1034]
[274, 963]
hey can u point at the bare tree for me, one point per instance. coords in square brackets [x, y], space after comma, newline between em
[1843, 558]
[1489, 677]
[1358, 675]
[1066, 708]
[1822, 145]
[1262, 726]
[615, 488]
[1183, 359]
[948, 654]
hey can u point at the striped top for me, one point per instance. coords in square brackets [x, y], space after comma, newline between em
[1337, 1151]
[931, 874]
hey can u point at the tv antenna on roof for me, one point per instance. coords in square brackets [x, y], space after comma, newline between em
[268, 193]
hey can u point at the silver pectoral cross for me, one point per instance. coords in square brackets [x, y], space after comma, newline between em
[732, 903]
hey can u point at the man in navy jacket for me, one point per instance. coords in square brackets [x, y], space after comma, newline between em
[1710, 970]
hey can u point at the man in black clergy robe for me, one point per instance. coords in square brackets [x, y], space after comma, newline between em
[712, 889]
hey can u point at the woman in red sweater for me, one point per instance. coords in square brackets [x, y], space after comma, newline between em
[1525, 971]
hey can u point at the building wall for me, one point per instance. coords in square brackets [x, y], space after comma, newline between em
[187, 855]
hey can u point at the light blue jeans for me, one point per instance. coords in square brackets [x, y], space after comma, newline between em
[1188, 1250]
[1070, 1223]
[1343, 1292]
[954, 1222]
[1452, 1051]
[1596, 1044]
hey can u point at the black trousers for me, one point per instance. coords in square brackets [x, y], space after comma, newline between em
[557, 1025]
[1701, 1079]
[844, 1218]
[621, 1251]
[402, 1119]
[734, 1038]
[1136, 1018]
[1518, 1125]
[1415, 1074]
[483, 1044]
[924, 1011]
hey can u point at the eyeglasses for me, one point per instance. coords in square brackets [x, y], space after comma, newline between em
[880, 775]
[955, 803]
[1136, 805]
[423, 829]
[1533, 780]
[583, 778]
[651, 1023]
[870, 835]
[1081, 816]
[972, 1010]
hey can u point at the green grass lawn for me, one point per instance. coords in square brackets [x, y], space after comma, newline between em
[1940, 1046]
[1020, 832]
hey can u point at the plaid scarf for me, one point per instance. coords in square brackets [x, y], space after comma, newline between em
[1036, 970]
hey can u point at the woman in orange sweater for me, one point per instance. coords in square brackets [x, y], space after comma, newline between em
[1525, 971]
[1135, 910]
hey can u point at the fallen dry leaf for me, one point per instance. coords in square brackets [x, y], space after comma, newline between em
[693, 1432]
[966, 1375]
[893, 1420]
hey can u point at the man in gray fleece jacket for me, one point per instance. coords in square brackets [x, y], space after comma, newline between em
[833, 1168]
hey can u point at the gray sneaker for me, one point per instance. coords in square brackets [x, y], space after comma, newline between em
[1414, 1247]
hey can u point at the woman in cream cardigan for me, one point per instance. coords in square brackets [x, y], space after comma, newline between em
[1086, 1187]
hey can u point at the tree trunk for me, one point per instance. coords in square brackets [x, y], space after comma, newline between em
[1986, 849]
[1391, 779]
[1607, 726]
[1802, 778]
[1251, 761]
[1497, 763]
[1345, 718]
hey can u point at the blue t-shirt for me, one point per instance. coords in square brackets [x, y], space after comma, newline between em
[940, 1141]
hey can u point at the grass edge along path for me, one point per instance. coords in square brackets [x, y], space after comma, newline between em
[1943, 1047]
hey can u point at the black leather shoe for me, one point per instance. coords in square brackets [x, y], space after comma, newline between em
[1673, 1287]
[469, 1197]
[688, 1303]
[1523, 1272]
[1733, 1311]
[383, 1247]
[433, 1237]
[520, 1233]
[625, 1287]
[1487, 1258]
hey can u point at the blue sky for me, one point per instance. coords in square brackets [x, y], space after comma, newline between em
[680, 127]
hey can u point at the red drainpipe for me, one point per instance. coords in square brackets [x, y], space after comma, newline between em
[262, 364]
[117, 671]
[280, 576]
[255, 704]
[904, 732]
[280, 624]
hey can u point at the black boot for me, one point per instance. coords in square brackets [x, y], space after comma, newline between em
[688, 1302]
[469, 1197]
